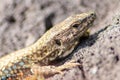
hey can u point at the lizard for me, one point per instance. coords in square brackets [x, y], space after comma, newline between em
[56, 43]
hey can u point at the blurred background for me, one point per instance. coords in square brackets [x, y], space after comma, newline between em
[22, 22]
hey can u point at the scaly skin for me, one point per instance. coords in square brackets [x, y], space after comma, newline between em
[57, 42]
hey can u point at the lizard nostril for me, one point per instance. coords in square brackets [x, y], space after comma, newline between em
[57, 42]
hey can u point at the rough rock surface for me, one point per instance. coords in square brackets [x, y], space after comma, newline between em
[22, 22]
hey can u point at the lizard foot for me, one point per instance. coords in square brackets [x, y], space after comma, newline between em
[42, 72]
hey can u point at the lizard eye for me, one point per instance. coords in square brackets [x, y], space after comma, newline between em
[76, 25]
[57, 42]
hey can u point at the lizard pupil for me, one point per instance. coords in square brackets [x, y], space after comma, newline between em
[58, 42]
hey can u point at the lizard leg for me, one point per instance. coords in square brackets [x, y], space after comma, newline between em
[35, 76]
[47, 71]
[67, 65]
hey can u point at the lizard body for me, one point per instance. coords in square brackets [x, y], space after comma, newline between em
[57, 42]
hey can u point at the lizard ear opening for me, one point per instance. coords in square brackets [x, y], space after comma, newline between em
[75, 25]
[57, 42]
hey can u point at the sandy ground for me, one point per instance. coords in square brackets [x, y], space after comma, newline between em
[22, 22]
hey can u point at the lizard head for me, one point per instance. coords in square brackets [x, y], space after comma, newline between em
[74, 28]
[61, 39]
